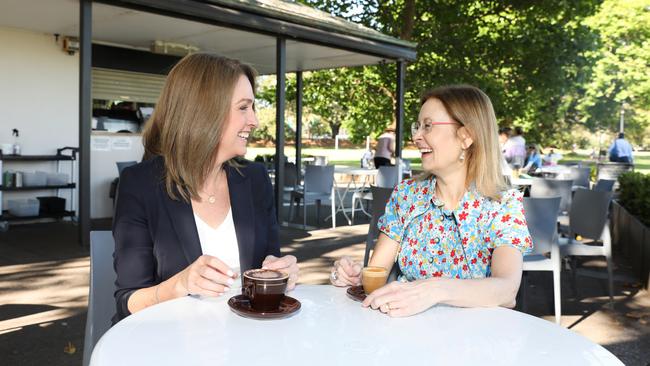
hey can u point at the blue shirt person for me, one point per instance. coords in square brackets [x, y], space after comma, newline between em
[533, 160]
[621, 150]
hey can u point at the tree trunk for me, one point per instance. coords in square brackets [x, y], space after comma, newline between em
[408, 20]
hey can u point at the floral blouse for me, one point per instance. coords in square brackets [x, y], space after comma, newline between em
[436, 242]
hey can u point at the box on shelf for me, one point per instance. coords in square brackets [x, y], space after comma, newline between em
[51, 204]
[57, 179]
[32, 179]
[23, 207]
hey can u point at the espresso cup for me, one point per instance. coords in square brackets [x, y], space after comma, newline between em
[264, 288]
[373, 278]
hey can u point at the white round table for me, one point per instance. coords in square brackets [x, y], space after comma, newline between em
[331, 329]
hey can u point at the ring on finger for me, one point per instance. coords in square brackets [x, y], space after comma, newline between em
[334, 276]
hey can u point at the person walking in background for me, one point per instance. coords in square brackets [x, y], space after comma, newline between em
[621, 150]
[385, 147]
[552, 158]
[515, 149]
[504, 135]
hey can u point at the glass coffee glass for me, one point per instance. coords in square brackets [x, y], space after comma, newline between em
[373, 278]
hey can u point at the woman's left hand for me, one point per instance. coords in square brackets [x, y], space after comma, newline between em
[399, 299]
[287, 264]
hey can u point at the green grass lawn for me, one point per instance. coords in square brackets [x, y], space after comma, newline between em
[352, 157]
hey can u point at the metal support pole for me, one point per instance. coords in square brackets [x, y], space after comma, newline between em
[299, 125]
[85, 116]
[280, 99]
[399, 109]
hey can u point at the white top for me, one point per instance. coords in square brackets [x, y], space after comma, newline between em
[220, 242]
[331, 329]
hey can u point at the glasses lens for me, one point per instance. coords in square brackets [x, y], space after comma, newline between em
[415, 126]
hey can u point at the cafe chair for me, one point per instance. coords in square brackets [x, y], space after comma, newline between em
[101, 304]
[580, 176]
[124, 164]
[545, 187]
[318, 188]
[387, 177]
[541, 216]
[588, 218]
[604, 185]
[381, 195]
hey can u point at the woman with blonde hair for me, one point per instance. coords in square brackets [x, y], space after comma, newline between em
[190, 217]
[457, 233]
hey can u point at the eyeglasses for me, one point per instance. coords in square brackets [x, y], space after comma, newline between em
[427, 126]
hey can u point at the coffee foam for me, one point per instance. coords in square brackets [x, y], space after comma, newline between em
[265, 274]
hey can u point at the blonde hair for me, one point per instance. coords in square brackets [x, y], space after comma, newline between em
[473, 109]
[189, 119]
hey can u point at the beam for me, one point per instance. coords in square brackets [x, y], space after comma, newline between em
[280, 99]
[298, 124]
[399, 108]
[85, 116]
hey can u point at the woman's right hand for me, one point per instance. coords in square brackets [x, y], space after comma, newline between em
[207, 276]
[346, 272]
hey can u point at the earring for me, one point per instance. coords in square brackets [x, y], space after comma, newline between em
[462, 156]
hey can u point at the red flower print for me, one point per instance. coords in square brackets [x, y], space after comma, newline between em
[440, 252]
[476, 204]
[455, 260]
[462, 216]
[505, 218]
[465, 241]
[420, 264]
[516, 241]
[410, 263]
[430, 226]
[423, 272]
[441, 229]
[487, 239]
[425, 190]
[465, 205]
[465, 267]
[517, 221]
[473, 260]
[444, 260]
[411, 208]
[484, 261]
[479, 254]
[453, 252]
[415, 251]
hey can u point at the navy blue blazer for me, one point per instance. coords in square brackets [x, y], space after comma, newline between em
[156, 236]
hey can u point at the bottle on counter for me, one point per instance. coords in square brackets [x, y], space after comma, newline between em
[16, 135]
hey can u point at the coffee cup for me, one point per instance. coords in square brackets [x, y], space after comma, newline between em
[373, 278]
[264, 288]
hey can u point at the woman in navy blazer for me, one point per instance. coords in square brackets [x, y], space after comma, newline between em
[193, 192]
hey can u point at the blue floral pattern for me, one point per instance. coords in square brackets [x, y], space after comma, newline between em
[436, 242]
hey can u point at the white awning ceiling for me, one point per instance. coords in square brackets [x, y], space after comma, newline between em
[136, 29]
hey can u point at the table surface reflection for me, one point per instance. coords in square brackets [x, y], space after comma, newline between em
[331, 329]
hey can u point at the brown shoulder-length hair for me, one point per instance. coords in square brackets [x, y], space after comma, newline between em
[473, 109]
[189, 119]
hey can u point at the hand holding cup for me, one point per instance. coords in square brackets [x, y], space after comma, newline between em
[346, 272]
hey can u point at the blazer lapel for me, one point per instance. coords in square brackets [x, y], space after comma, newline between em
[241, 202]
[182, 219]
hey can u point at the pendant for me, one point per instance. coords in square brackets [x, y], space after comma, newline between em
[212, 199]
